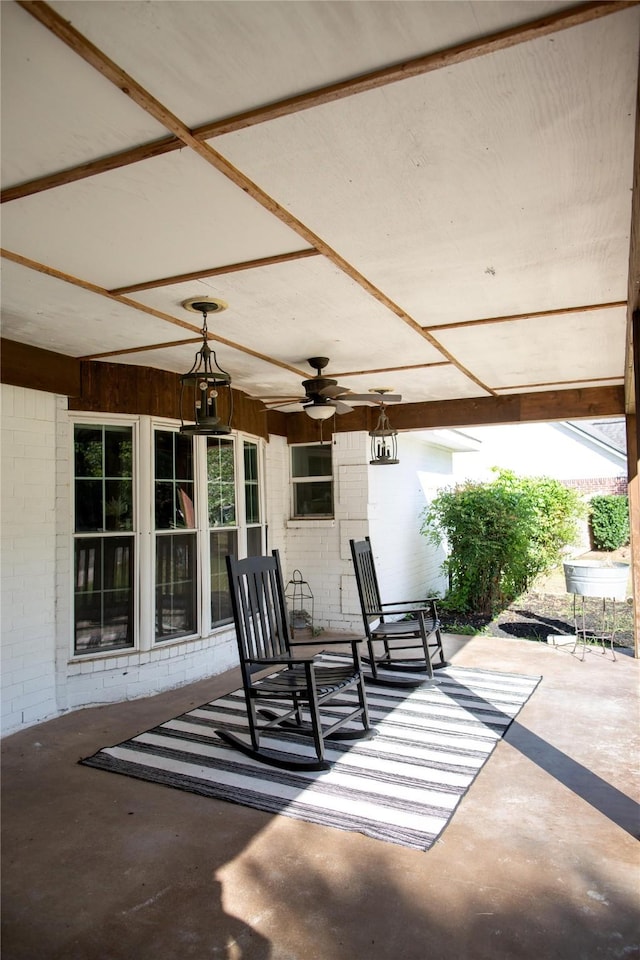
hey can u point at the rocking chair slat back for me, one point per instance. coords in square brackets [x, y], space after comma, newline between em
[258, 608]
[367, 579]
[395, 629]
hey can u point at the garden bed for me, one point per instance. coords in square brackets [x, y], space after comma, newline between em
[547, 609]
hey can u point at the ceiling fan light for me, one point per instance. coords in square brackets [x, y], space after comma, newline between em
[319, 411]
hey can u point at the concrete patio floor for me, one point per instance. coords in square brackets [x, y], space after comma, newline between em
[539, 861]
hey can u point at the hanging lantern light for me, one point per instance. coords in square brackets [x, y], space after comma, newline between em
[206, 383]
[384, 443]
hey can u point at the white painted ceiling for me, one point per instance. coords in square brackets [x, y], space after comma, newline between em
[470, 224]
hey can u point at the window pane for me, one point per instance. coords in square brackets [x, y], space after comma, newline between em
[185, 515]
[164, 455]
[118, 449]
[103, 594]
[174, 488]
[175, 586]
[252, 505]
[104, 454]
[313, 499]
[221, 483]
[250, 461]
[89, 505]
[222, 543]
[118, 507]
[254, 541]
[311, 461]
[184, 457]
[88, 451]
[251, 489]
[165, 510]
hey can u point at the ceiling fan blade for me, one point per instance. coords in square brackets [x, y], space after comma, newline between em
[341, 407]
[295, 403]
[332, 391]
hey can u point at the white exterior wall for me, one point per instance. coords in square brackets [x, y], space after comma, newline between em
[319, 549]
[384, 504]
[277, 486]
[28, 557]
[41, 678]
[408, 566]
[536, 450]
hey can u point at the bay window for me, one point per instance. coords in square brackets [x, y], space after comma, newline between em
[155, 514]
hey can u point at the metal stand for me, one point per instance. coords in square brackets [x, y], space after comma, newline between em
[608, 625]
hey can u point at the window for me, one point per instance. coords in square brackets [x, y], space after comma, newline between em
[312, 480]
[223, 532]
[175, 581]
[152, 528]
[104, 545]
[252, 500]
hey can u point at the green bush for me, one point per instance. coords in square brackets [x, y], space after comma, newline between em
[500, 536]
[609, 522]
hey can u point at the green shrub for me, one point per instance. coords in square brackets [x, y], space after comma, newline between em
[500, 536]
[609, 522]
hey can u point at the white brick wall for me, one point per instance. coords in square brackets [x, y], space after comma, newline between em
[39, 679]
[27, 506]
[383, 503]
[317, 547]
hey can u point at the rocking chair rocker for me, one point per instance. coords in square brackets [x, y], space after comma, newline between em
[271, 675]
[419, 630]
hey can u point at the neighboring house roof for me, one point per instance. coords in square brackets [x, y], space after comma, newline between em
[611, 433]
[455, 440]
[581, 450]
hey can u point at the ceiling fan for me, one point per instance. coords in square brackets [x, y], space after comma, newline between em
[324, 397]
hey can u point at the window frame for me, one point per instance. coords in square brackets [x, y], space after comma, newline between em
[324, 478]
[97, 420]
[144, 533]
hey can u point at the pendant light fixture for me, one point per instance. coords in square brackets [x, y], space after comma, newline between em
[384, 443]
[206, 383]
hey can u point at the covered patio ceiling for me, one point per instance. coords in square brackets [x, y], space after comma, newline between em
[436, 196]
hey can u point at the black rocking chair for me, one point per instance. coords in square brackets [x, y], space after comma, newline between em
[390, 641]
[270, 674]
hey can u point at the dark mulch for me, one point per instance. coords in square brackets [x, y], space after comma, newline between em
[536, 615]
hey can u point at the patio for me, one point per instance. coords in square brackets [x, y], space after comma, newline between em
[540, 859]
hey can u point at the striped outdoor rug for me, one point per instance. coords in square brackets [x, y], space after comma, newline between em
[402, 786]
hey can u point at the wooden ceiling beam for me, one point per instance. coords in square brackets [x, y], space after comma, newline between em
[115, 75]
[142, 307]
[217, 271]
[427, 63]
[572, 404]
[526, 316]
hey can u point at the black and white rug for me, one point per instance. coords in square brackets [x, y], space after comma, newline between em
[402, 786]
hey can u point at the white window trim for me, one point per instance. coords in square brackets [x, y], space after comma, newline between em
[144, 533]
[311, 517]
[77, 418]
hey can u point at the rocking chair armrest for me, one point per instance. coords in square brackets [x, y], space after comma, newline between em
[418, 603]
[427, 611]
[318, 641]
[273, 661]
